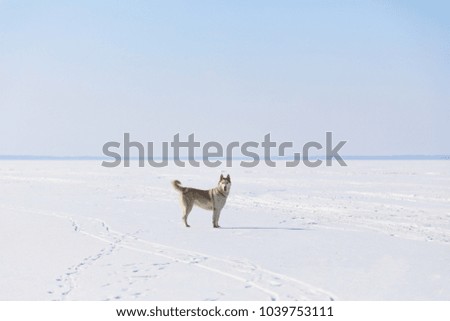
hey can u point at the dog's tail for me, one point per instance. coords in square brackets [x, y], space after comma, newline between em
[177, 185]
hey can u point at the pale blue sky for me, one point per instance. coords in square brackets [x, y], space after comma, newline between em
[76, 74]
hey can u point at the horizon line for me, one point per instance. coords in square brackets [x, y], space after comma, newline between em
[275, 158]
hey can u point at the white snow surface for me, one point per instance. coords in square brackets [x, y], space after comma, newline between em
[374, 230]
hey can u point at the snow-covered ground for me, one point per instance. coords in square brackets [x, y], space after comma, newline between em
[375, 230]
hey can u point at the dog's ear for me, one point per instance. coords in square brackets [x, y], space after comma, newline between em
[228, 178]
[221, 177]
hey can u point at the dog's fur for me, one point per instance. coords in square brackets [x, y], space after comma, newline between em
[213, 199]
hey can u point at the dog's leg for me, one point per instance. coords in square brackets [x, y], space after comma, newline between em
[216, 215]
[187, 208]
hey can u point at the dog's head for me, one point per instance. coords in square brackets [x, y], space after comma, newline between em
[225, 183]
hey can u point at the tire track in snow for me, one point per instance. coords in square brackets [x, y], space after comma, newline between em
[275, 285]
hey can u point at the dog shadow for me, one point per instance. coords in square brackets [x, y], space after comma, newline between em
[263, 228]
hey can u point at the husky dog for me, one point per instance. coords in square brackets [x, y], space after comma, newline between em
[213, 199]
